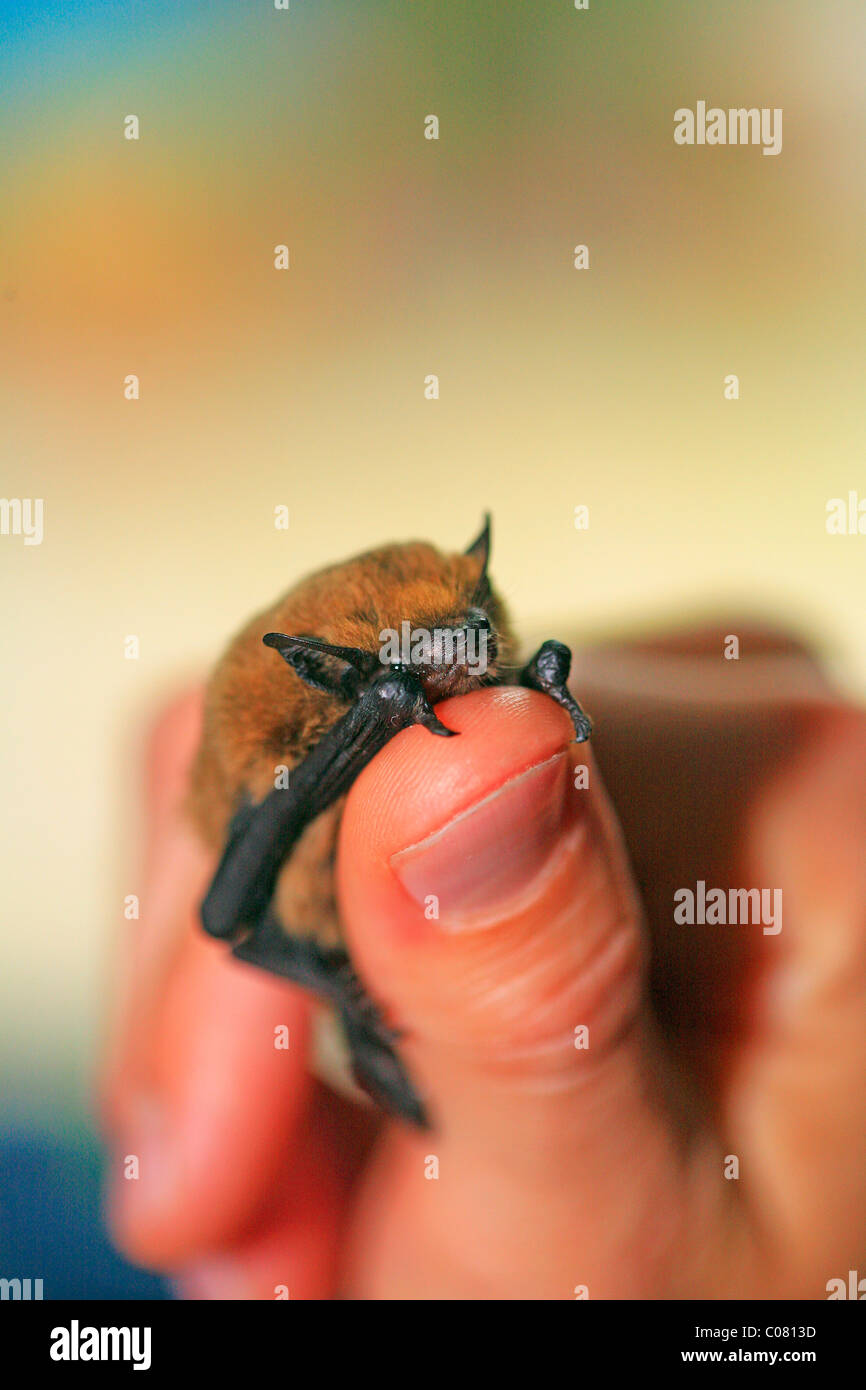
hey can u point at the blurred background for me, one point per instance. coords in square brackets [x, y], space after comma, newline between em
[304, 388]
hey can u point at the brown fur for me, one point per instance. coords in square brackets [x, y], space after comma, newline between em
[260, 714]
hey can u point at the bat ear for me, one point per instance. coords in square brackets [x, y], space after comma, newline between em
[480, 547]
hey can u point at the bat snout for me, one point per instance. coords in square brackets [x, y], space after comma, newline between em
[461, 657]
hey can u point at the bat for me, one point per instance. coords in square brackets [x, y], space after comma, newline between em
[371, 646]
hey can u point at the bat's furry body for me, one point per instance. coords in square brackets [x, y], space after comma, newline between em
[323, 720]
[260, 716]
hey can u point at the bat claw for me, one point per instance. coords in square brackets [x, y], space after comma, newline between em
[437, 727]
[430, 720]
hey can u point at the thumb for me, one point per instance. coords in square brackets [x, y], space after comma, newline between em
[489, 906]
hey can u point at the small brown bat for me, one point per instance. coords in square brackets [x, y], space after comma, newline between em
[371, 645]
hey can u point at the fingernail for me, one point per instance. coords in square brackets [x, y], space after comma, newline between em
[491, 855]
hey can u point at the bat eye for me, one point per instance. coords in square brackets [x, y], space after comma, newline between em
[477, 622]
[477, 618]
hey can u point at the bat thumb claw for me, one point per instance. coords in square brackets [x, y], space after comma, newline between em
[435, 725]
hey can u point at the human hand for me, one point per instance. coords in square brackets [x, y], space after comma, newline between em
[559, 1167]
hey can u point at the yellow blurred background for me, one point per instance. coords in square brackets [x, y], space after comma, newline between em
[305, 388]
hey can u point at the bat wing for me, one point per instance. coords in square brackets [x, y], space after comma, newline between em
[261, 836]
[237, 904]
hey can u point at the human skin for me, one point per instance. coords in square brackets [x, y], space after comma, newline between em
[563, 1171]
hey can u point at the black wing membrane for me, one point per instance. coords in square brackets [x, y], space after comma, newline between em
[263, 835]
[237, 904]
[328, 971]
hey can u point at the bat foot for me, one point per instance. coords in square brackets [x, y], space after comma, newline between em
[378, 1070]
[548, 672]
[375, 1063]
[328, 972]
